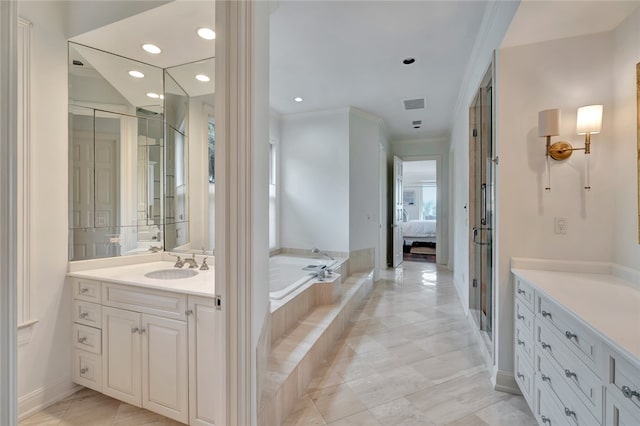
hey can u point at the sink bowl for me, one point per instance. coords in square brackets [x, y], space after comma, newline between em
[171, 274]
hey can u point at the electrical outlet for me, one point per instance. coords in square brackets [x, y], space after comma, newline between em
[561, 225]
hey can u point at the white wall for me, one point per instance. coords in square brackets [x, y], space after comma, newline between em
[44, 363]
[626, 250]
[422, 149]
[564, 74]
[314, 176]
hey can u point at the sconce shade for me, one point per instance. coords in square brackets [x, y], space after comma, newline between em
[589, 119]
[549, 122]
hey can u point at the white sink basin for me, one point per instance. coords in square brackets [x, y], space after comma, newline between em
[171, 274]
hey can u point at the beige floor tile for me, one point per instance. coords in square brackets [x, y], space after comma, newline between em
[363, 418]
[305, 413]
[400, 412]
[337, 402]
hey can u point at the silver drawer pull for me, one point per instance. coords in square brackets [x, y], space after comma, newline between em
[568, 412]
[569, 335]
[545, 345]
[84, 314]
[546, 314]
[546, 378]
[521, 342]
[629, 393]
[188, 312]
[142, 330]
[545, 419]
[82, 339]
[134, 330]
[84, 290]
[83, 370]
[521, 291]
[520, 317]
[570, 373]
[521, 376]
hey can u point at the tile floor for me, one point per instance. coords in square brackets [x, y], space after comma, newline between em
[408, 358]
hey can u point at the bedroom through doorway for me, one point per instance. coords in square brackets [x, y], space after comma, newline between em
[420, 218]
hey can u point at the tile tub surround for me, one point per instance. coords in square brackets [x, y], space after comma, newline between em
[361, 260]
[408, 357]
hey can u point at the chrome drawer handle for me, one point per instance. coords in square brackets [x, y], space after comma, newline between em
[188, 312]
[83, 370]
[521, 291]
[84, 290]
[521, 376]
[545, 419]
[545, 345]
[546, 378]
[520, 317]
[546, 314]
[134, 330]
[629, 393]
[521, 342]
[142, 330]
[568, 412]
[570, 373]
[84, 314]
[569, 335]
[82, 339]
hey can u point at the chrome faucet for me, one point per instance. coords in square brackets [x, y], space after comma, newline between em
[316, 250]
[179, 262]
[155, 249]
[192, 262]
[204, 266]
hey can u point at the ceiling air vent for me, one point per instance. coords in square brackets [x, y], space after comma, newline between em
[416, 122]
[410, 104]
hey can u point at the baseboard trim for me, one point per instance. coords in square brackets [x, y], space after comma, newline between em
[45, 396]
[504, 381]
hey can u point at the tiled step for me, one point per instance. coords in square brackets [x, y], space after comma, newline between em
[294, 357]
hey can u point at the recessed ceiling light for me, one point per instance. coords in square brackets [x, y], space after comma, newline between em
[151, 48]
[206, 33]
[153, 95]
[408, 61]
[136, 74]
[298, 99]
[203, 78]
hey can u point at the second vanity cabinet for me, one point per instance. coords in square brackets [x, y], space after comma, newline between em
[150, 348]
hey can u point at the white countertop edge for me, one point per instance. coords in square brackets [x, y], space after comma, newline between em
[110, 262]
[630, 356]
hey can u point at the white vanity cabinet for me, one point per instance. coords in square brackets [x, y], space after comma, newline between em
[579, 374]
[150, 348]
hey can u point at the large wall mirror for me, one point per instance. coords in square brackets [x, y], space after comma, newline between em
[131, 158]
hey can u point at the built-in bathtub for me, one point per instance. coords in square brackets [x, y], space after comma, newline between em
[286, 273]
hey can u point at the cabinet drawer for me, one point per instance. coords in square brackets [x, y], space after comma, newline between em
[87, 290]
[524, 375]
[617, 413]
[147, 301]
[547, 411]
[625, 382]
[524, 343]
[576, 336]
[87, 338]
[87, 313]
[569, 384]
[524, 317]
[87, 369]
[573, 411]
[524, 292]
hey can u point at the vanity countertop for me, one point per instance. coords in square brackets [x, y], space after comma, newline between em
[202, 284]
[606, 303]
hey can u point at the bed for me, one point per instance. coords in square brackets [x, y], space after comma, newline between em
[419, 230]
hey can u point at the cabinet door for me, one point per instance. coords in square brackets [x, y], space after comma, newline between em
[203, 361]
[165, 372]
[121, 355]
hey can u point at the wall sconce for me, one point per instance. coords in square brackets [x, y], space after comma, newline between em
[589, 122]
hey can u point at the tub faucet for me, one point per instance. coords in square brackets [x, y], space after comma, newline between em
[316, 250]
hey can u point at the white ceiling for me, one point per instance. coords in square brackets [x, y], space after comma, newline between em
[418, 173]
[349, 53]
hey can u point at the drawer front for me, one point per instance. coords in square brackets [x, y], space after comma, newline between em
[524, 375]
[568, 386]
[578, 376]
[573, 411]
[524, 292]
[147, 301]
[625, 382]
[524, 317]
[87, 369]
[577, 337]
[617, 413]
[87, 313]
[524, 343]
[87, 290]
[87, 338]
[547, 411]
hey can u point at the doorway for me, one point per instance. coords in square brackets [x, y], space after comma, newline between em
[420, 202]
[481, 207]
